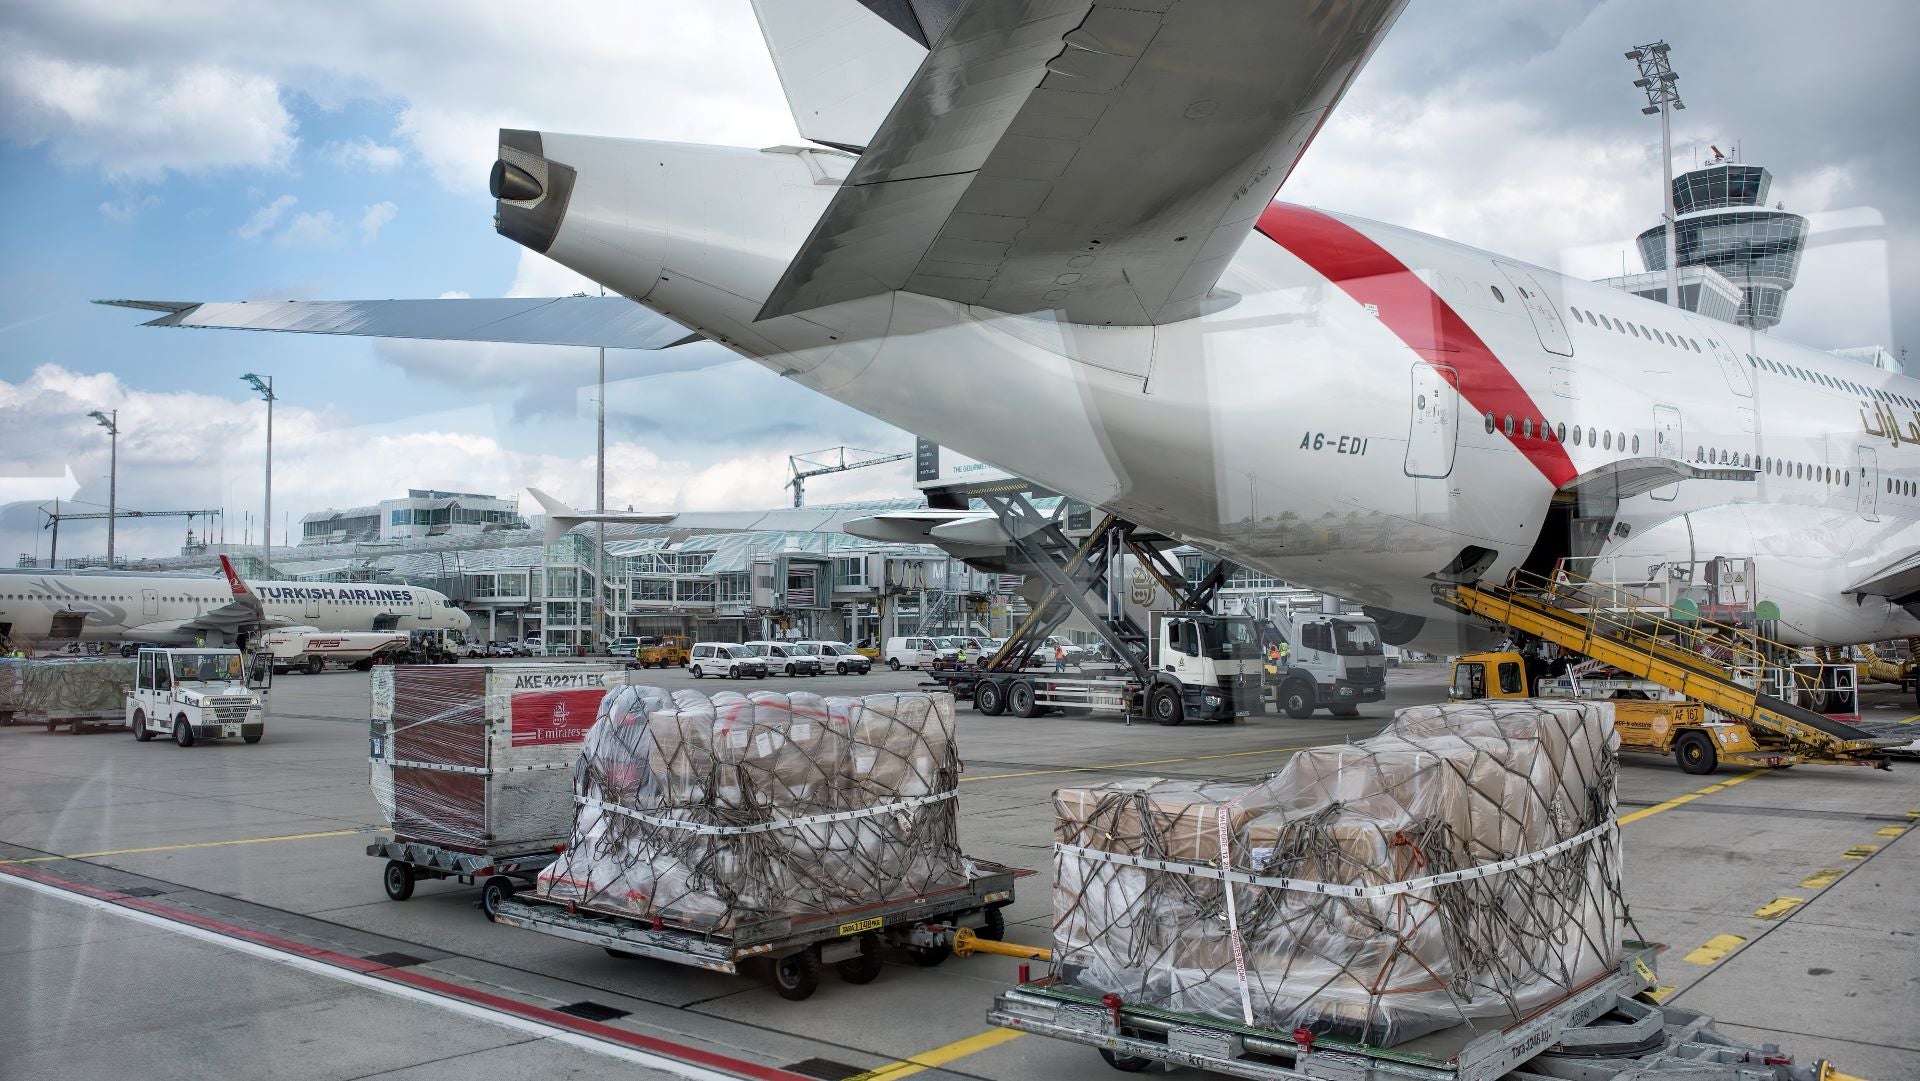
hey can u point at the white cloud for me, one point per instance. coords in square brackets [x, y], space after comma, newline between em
[265, 218]
[365, 154]
[375, 218]
[124, 210]
[135, 123]
[319, 229]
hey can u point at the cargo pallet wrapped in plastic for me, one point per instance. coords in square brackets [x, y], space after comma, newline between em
[716, 813]
[65, 690]
[476, 758]
[1462, 867]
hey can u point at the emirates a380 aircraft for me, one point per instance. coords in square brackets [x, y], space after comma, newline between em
[1047, 238]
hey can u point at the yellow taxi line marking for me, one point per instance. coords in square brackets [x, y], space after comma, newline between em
[939, 1056]
[1889, 831]
[1646, 812]
[1778, 907]
[1820, 880]
[1661, 992]
[1714, 949]
[1104, 767]
[1915, 813]
[1859, 852]
[192, 844]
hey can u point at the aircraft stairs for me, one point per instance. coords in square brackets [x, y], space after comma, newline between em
[1726, 668]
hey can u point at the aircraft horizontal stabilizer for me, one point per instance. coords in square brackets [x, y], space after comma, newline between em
[561, 517]
[1099, 159]
[611, 322]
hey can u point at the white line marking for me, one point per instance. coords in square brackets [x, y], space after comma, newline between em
[397, 990]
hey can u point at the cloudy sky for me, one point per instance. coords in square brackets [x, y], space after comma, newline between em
[213, 149]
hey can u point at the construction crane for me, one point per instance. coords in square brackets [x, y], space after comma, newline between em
[816, 463]
[56, 516]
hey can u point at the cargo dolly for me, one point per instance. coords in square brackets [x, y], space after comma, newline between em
[410, 861]
[1605, 1030]
[792, 948]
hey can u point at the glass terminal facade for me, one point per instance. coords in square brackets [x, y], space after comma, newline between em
[1724, 223]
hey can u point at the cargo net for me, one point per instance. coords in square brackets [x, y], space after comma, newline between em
[718, 813]
[1336, 916]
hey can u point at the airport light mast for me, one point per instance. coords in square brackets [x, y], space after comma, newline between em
[265, 389]
[111, 422]
[1657, 79]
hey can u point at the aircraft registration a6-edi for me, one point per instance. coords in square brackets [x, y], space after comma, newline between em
[1043, 233]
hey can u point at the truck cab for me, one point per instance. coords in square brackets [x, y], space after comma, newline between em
[1332, 661]
[195, 694]
[1211, 663]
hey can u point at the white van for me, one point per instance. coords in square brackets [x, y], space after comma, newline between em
[727, 660]
[786, 658]
[912, 652]
[841, 657]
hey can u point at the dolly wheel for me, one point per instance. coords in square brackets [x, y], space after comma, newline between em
[929, 956]
[797, 975]
[1125, 1063]
[495, 890]
[1695, 753]
[866, 967]
[993, 926]
[399, 880]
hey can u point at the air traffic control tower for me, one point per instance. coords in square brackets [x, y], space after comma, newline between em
[1723, 222]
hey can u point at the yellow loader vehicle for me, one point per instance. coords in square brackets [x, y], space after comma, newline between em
[671, 651]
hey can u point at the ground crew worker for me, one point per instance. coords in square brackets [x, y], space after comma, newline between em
[1273, 652]
[960, 657]
[1059, 657]
[1286, 650]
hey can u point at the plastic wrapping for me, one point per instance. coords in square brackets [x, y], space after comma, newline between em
[1442, 789]
[715, 813]
[477, 757]
[66, 685]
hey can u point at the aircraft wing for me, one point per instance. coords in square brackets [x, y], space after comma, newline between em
[561, 518]
[613, 322]
[1101, 158]
[1636, 476]
[1898, 582]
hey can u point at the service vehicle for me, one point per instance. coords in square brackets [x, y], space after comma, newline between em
[307, 649]
[841, 657]
[786, 658]
[624, 646]
[1649, 717]
[1333, 661]
[793, 948]
[671, 651]
[911, 651]
[728, 660]
[196, 694]
[1198, 666]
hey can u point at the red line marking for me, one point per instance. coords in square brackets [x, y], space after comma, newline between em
[598, 1030]
[1429, 326]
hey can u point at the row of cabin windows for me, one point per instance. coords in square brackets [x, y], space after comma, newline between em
[1552, 433]
[1775, 467]
[1902, 487]
[1637, 330]
[1834, 382]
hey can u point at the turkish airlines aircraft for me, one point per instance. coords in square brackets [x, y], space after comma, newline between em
[162, 610]
[1056, 251]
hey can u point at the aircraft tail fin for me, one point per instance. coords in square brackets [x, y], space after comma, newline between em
[234, 581]
[843, 63]
[561, 517]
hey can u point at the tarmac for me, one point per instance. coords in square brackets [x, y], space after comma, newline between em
[211, 912]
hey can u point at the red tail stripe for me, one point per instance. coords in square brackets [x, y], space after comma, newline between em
[1426, 323]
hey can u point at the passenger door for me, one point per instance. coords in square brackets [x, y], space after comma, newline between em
[1867, 480]
[1736, 374]
[1540, 308]
[1434, 428]
[150, 603]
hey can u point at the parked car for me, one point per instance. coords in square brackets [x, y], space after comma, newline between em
[503, 649]
[532, 646]
[725, 659]
[841, 657]
[624, 646]
[786, 658]
[911, 651]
